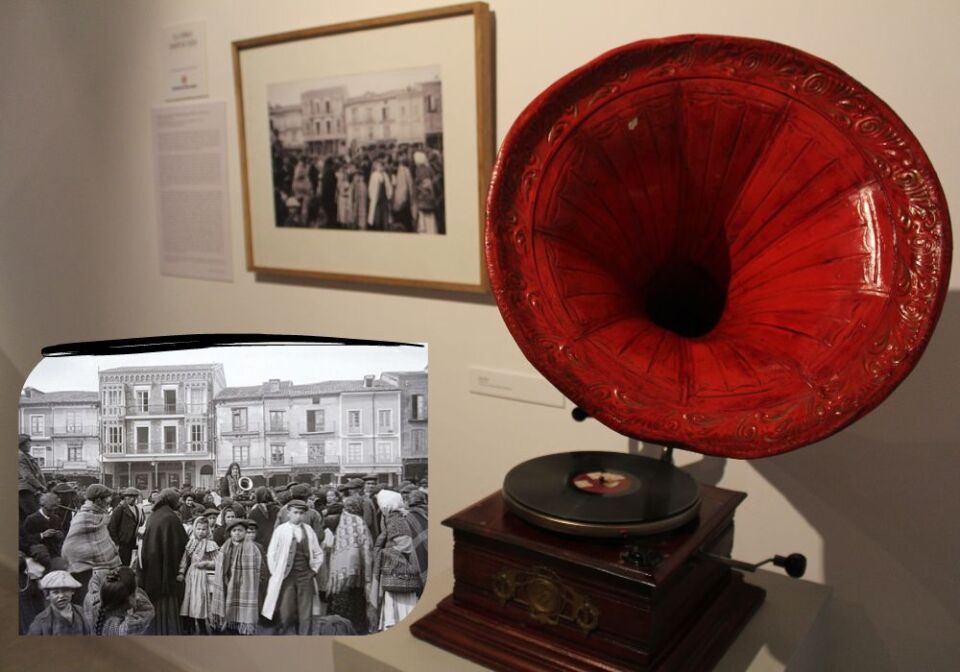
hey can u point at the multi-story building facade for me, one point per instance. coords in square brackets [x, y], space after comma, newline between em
[64, 435]
[317, 433]
[396, 116]
[322, 114]
[156, 425]
[413, 420]
[287, 121]
[433, 115]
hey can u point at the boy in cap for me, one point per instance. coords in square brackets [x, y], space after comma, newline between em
[312, 517]
[61, 617]
[294, 558]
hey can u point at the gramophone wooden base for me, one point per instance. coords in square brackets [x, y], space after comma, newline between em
[501, 645]
[528, 599]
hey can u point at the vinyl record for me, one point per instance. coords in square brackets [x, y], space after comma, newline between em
[601, 494]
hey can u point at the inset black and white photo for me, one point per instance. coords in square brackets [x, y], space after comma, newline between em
[362, 152]
[240, 489]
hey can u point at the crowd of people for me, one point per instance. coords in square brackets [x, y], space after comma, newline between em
[294, 559]
[387, 187]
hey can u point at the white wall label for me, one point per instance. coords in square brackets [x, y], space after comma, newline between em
[184, 60]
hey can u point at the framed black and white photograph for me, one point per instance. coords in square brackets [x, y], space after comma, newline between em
[211, 485]
[359, 153]
[354, 167]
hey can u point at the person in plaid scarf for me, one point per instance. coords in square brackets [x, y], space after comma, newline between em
[236, 582]
[88, 547]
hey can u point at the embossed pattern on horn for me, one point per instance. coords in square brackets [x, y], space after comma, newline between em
[718, 243]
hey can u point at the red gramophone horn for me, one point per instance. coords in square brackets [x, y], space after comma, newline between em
[717, 243]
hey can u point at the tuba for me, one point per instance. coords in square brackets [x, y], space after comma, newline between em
[245, 483]
[719, 244]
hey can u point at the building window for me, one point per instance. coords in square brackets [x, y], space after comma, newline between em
[40, 455]
[316, 421]
[315, 453]
[115, 439]
[169, 439]
[278, 421]
[75, 452]
[143, 439]
[419, 439]
[385, 452]
[196, 400]
[73, 422]
[329, 126]
[143, 400]
[353, 115]
[196, 438]
[353, 421]
[36, 425]
[276, 453]
[418, 410]
[111, 398]
[326, 106]
[433, 103]
[169, 401]
[354, 452]
[385, 419]
[241, 454]
[239, 419]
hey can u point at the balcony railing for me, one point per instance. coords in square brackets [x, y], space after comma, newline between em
[240, 427]
[187, 448]
[173, 408]
[75, 430]
[281, 427]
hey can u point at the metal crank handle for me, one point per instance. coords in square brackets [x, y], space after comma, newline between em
[794, 565]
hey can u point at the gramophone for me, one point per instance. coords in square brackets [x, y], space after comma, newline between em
[717, 244]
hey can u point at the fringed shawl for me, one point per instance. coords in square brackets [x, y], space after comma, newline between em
[351, 562]
[233, 602]
[88, 544]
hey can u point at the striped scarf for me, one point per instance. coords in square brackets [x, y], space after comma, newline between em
[236, 580]
[88, 544]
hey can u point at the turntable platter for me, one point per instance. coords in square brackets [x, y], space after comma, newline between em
[600, 494]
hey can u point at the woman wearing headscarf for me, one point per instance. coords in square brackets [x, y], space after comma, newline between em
[417, 519]
[351, 567]
[164, 541]
[264, 514]
[88, 548]
[396, 570]
[425, 194]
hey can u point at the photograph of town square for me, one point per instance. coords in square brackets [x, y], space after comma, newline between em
[268, 489]
[363, 152]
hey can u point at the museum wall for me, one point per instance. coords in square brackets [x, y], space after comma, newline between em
[874, 507]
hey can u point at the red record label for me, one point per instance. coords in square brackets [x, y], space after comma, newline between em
[603, 482]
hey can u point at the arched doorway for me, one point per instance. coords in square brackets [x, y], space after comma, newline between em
[206, 477]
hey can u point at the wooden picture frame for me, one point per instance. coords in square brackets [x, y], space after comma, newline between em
[318, 109]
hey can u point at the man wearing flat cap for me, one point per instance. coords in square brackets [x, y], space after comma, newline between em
[61, 617]
[312, 517]
[124, 521]
[30, 481]
[88, 547]
[294, 558]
